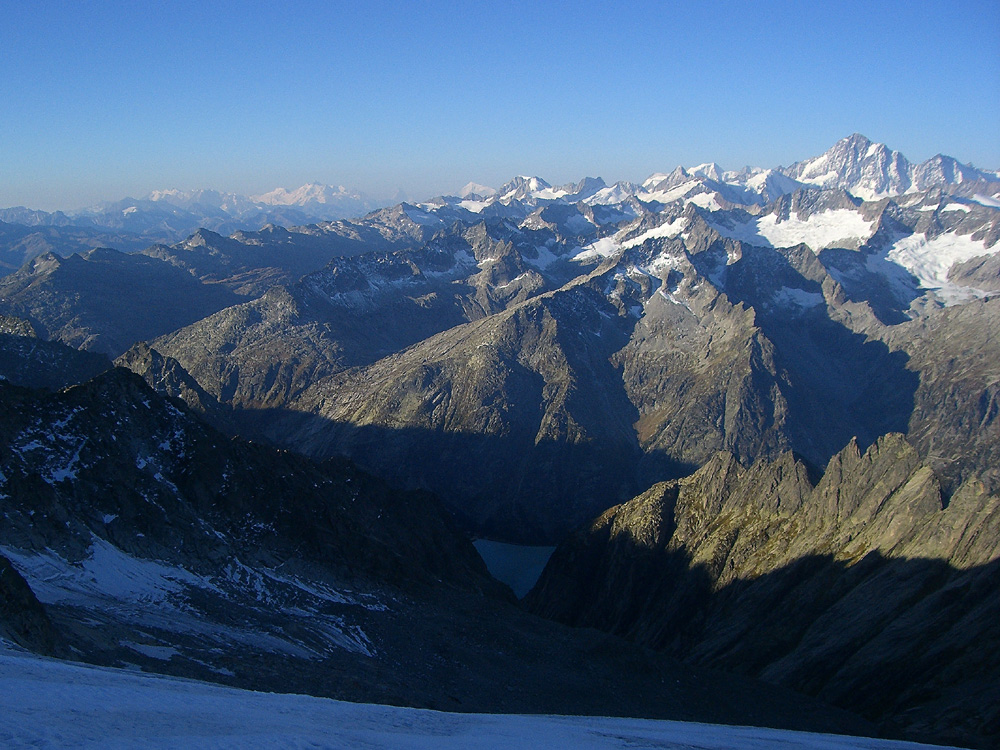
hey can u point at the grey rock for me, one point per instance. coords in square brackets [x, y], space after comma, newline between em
[866, 589]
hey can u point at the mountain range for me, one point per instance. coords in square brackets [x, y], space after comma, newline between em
[745, 404]
[171, 215]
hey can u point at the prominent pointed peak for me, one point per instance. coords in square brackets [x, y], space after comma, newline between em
[661, 181]
[857, 139]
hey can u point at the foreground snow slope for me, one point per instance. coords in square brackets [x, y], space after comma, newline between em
[48, 703]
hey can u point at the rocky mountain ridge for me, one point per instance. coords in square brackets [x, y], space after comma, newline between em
[865, 169]
[134, 535]
[869, 588]
[779, 328]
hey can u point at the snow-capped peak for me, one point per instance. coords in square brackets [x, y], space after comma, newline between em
[584, 189]
[311, 193]
[475, 190]
[709, 170]
[864, 168]
[189, 198]
[522, 187]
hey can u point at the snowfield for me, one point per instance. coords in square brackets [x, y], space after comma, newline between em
[930, 259]
[52, 704]
[834, 228]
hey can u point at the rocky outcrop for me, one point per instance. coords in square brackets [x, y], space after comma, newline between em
[166, 376]
[111, 452]
[23, 619]
[540, 359]
[869, 588]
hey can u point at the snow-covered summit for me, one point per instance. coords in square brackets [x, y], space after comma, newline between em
[709, 170]
[856, 164]
[311, 193]
[523, 187]
[204, 198]
[866, 169]
[476, 191]
[871, 170]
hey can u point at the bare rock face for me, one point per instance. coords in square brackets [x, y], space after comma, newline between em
[955, 420]
[23, 619]
[166, 376]
[507, 417]
[866, 589]
[135, 523]
[550, 359]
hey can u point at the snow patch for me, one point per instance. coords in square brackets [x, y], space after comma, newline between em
[673, 194]
[474, 206]
[792, 297]
[545, 258]
[673, 298]
[930, 260]
[672, 229]
[163, 653]
[839, 227]
[662, 262]
[986, 200]
[106, 573]
[418, 216]
[707, 201]
[609, 196]
[50, 703]
[511, 282]
[548, 194]
[603, 248]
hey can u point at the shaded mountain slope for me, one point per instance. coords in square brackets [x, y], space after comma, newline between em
[955, 422]
[105, 300]
[23, 619]
[354, 311]
[865, 588]
[676, 338]
[30, 361]
[21, 241]
[250, 263]
[515, 419]
[151, 540]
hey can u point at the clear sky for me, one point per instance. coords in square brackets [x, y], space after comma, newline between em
[99, 100]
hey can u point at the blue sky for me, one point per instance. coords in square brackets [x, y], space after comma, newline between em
[99, 100]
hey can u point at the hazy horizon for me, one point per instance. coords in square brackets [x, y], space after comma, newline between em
[105, 101]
